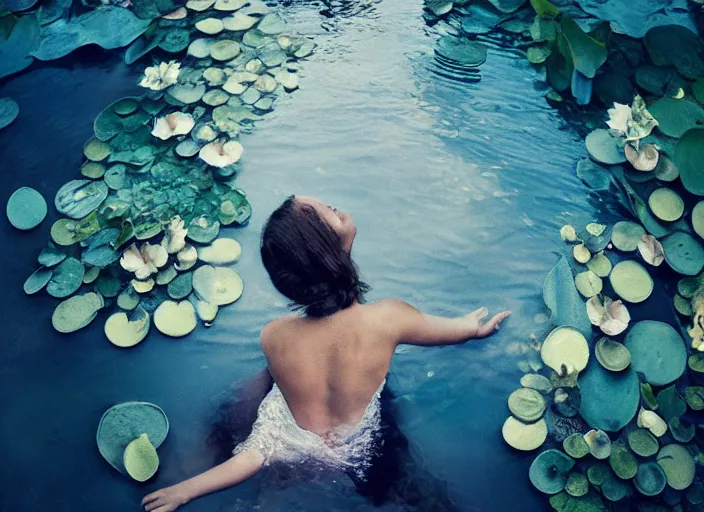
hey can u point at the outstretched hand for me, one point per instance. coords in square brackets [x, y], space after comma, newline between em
[483, 329]
[164, 500]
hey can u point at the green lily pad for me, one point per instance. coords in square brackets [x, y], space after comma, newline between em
[622, 461]
[90, 275]
[116, 177]
[462, 51]
[200, 48]
[626, 235]
[96, 150]
[124, 331]
[614, 490]
[78, 198]
[66, 279]
[175, 40]
[609, 399]
[577, 484]
[698, 219]
[67, 231]
[110, 122]
[187, 147]
[666, 170]
[588, 283]
[128, 299]
[203, 229]
[678, 465]
[657, 351]
[598, 474]
[26, 208]
[683, 253]
[100, 252]
[593, 175]
[108, 286]
[186, 94]
[140, 458]
[653, 79]
[210, 26]
[537, 382]
[217, 285]
[62, 37]
[694, 396]
[205, 310]
[181, 286]
[600, 264]
[689, 162]
[77, 312]
[93, 170]
[549, 471]
[631, 281]
[643, 443]
[224, 49]
[650, 479]
[222, 251]
[681, 433]
[675, 117]
[587, 53]
[575, 446]
[37, 280]
[670, 405]
[604, 147]
[612, 355]
[15, 50]
[526, 404]
[147, 230]
[215, 98]
[175, 319]
[51, 256]
[563, 300]
[666, 204]
[235, 208]
[123, 423]
[675, 45]
[565, 346]
[9, 110]
[696, 362]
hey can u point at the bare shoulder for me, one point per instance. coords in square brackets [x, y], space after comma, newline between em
[272, 332]
[391, 315]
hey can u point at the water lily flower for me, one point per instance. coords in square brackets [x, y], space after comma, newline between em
[611, 316]
[696, 332]
[172, 125]
[144, 262]
[175, 237]
[651, 421]
[651, 250]
[632, 122]
[619, 116]
[221, 153]
[158, 78]
[186, 257]
[643, 158]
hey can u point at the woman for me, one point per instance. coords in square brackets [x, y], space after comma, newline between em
[329, 364]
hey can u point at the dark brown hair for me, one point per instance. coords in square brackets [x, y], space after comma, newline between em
[307, 263]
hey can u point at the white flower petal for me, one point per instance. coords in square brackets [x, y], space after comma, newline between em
[131, 259]
[595, 310]
[651, 250]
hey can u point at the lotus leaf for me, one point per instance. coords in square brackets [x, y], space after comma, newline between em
[127, 332]
[694, 396]
[51, 256]
[175, 319]
[575, 446]
[675, 117]
[683, 253]
[631, 281]
[224, 49]
[238, 22]
[650, 479]
[140, 458]
[526, 404]
[541, 383]
[623, 462]
[8, 111]
[124, 422]
[609, 399]
[128, 299]
[217, 285]
[66, 279]
[77, 312]
[222, 251]
[643, 443]
[681, 433]
[62, 37]
[653, 79]
[37, 280]
[678, 465]
[612, 355]
[563, 300]
[604, 147]
[588, 283]
[600, 265]
[657, 351]
[26, 208]
[210, 26]
[689, 162]
[674, 45]
[549, 471]
[16, 49]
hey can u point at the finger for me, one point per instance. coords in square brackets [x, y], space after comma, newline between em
[154, 505]
[493, 324]
[151, 497]
[165, 508]
[480, 313]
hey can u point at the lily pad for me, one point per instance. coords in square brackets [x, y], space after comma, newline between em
[565, 346]
[670, 405]
[563, 300]
[643, 443]
[612, 355]
[683, 253]
[657, 351]
[549, 471]
[675, 45]
[678, 465]
[108, 286]
[698, 218]
[51, 256]
[66, 279]
[238, 22]
[90, 275]
[37, 280]
[26, 208]
[203, 229]
[206, 311]
[694, 396]
[217, 285]
[77, 312]
[15, 50]
[78, 198]
[175, 319]
[187, 147]
[140, 458]
[598, 474]
[577, 484]
[128, 299]
[623, 462]
[609, 399]
[689, 162]
[599, 443]
[222, 251]
[200, 48]
[9, 110]
[210, 26]
[461, 51]
[224, 49]
[631, 281]
[587, 53]
[100, 252]
[675, 117]
[604, 147]
[526, 404]
[123, 423]
[650, 479]
[600, 264]
[175, 40]
[92, 170]
[181, 286]
[588, 283]
[96, 150]
[186, 94]
[696, 362]
[575, 446]
[666, 170]
[666, 204]
[681, 433]
[538, 382]
[626, 235]
[124, 331]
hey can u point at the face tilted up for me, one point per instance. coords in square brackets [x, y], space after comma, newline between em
[340, 222]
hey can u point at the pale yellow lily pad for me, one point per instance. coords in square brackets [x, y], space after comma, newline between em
[123, 331]
[175, 319]
[524, 437]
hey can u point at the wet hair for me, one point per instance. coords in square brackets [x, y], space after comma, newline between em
[307, 263]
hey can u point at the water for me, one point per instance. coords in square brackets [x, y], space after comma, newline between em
[458, 191]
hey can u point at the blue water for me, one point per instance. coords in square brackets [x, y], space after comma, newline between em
[458, 191]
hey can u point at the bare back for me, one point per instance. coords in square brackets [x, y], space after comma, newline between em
[328, 369]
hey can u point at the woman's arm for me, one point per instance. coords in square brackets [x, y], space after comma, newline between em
[416, 328]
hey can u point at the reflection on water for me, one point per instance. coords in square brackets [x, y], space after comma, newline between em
[458, 191]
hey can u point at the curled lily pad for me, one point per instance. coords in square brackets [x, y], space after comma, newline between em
[623, 462]
[678, 465]
[123, 423]
[626, 235]
[609, 399]
[524, 437]
[666, 204]
[683, 253]
[181, 286]
[78, 198]
[643, 443]
[612, 355]
[688, 160]
[203, 229]
[66, 279]
[37, 280]
[651, 250]
[217, 285]
[124, 331]
[575, 446]
[657, 351]
[77, 312]
[599, 443]
[645, 158]
[175, 319]
[565, 346]
[600, 264]
[9, 111]
[604, 147]
[26, 208]
[542, 384]
[549, 471]
[526, 404]
[140, 458]
[588, 283]
[631, 281]
[222, 251]
[650, 479]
